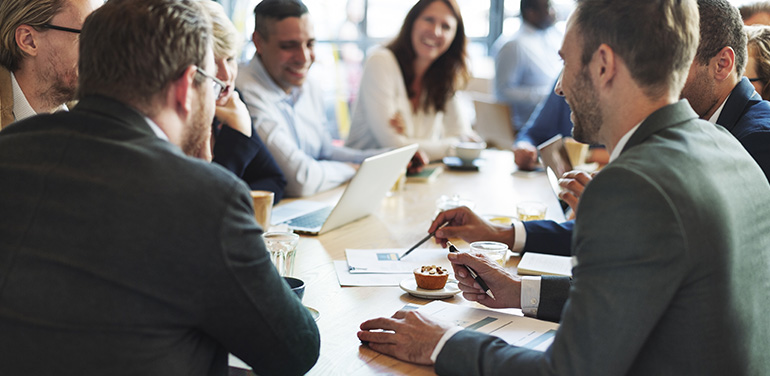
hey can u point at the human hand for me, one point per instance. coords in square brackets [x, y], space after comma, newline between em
[505, 286]
[407, 335]
[397, 123]
[573, 183]
[235, 114]
[525, 155]
[466, 225]
[419, 160]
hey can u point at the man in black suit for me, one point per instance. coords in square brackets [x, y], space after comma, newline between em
[119, 255]
[667, 251]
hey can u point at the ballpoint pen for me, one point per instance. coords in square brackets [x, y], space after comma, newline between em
[422, 241]
[473, 273]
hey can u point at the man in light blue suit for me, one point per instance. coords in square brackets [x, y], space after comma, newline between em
[671, 238]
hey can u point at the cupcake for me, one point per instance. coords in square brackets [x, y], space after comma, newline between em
[431, 277]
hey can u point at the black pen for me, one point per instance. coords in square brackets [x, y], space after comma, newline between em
[422, 241]
[475, 276]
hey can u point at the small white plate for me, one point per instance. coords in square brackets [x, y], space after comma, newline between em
[314, 312]
[409, 285]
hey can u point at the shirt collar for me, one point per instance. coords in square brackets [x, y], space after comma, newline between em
[156, 129]
[715, 116]
[622, 142]
[21, 107]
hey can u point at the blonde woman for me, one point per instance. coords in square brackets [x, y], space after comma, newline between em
[237, 146]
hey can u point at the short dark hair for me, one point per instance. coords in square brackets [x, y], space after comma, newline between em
[721, 26]
[528, 4]
[275, 10]
[656, 39]
[131, 50]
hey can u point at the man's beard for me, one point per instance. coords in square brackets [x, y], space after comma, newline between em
[63, 83]
[586, 115]
[198, 129]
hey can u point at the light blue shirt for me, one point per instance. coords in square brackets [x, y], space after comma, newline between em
[525, 69]
[292, 127]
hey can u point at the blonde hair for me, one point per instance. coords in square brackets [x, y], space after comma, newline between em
[226, 39]
[15, 13]
[759, 43]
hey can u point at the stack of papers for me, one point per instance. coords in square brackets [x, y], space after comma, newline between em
[381, 267]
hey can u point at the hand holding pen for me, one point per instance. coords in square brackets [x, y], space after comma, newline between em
[505, 287]
[475, 276]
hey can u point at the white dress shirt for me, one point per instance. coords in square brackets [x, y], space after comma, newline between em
[292, 127]
[382, 95]
[21, 107]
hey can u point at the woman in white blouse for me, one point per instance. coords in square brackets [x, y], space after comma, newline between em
[407, 91]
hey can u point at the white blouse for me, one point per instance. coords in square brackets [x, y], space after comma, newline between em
[382, 95]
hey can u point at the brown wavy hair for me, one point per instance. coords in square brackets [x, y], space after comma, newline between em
[447, 74]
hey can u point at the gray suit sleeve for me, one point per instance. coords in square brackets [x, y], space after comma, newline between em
[554, 292]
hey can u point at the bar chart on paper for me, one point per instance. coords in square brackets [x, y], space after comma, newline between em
[516, 330]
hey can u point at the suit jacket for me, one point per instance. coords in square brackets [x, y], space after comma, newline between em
[747, 117]
[119, 255]
[6, 98]
[672, 284]
[744, 114]
[249, 159]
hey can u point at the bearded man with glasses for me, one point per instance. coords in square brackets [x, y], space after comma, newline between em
[39, 55]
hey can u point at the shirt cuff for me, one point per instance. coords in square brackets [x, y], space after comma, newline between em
[440, 345]
[519, 237]
[530, 295]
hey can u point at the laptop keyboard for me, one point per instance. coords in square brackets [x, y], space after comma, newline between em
[312, 219]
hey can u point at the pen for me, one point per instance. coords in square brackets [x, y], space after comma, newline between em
[475, 276]
[422, 241]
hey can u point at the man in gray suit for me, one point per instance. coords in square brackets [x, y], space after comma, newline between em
[671, 259]
[120, 255]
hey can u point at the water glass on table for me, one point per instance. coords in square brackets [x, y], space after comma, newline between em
[282, 247]
[531, 211]
[496, 251]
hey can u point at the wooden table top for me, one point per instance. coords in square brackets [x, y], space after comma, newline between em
[399, 222]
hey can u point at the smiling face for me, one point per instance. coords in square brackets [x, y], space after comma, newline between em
[576, 87]
[433, 32]
[288, 51]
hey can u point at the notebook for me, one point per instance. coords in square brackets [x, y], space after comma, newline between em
[374, 178]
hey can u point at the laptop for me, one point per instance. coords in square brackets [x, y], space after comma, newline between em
[374, 178]
[493, 123]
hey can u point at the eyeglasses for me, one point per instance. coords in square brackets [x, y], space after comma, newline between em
[219, 86]
[60, 28]
[754, 79]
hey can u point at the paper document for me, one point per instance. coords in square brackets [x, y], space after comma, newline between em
[516, 330]
[346, 278]
[541, 264]
[386, 260]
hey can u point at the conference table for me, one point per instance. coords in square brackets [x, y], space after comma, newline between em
[399, 221]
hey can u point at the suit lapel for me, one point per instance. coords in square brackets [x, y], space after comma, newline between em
[663, 118]
[742, 95]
